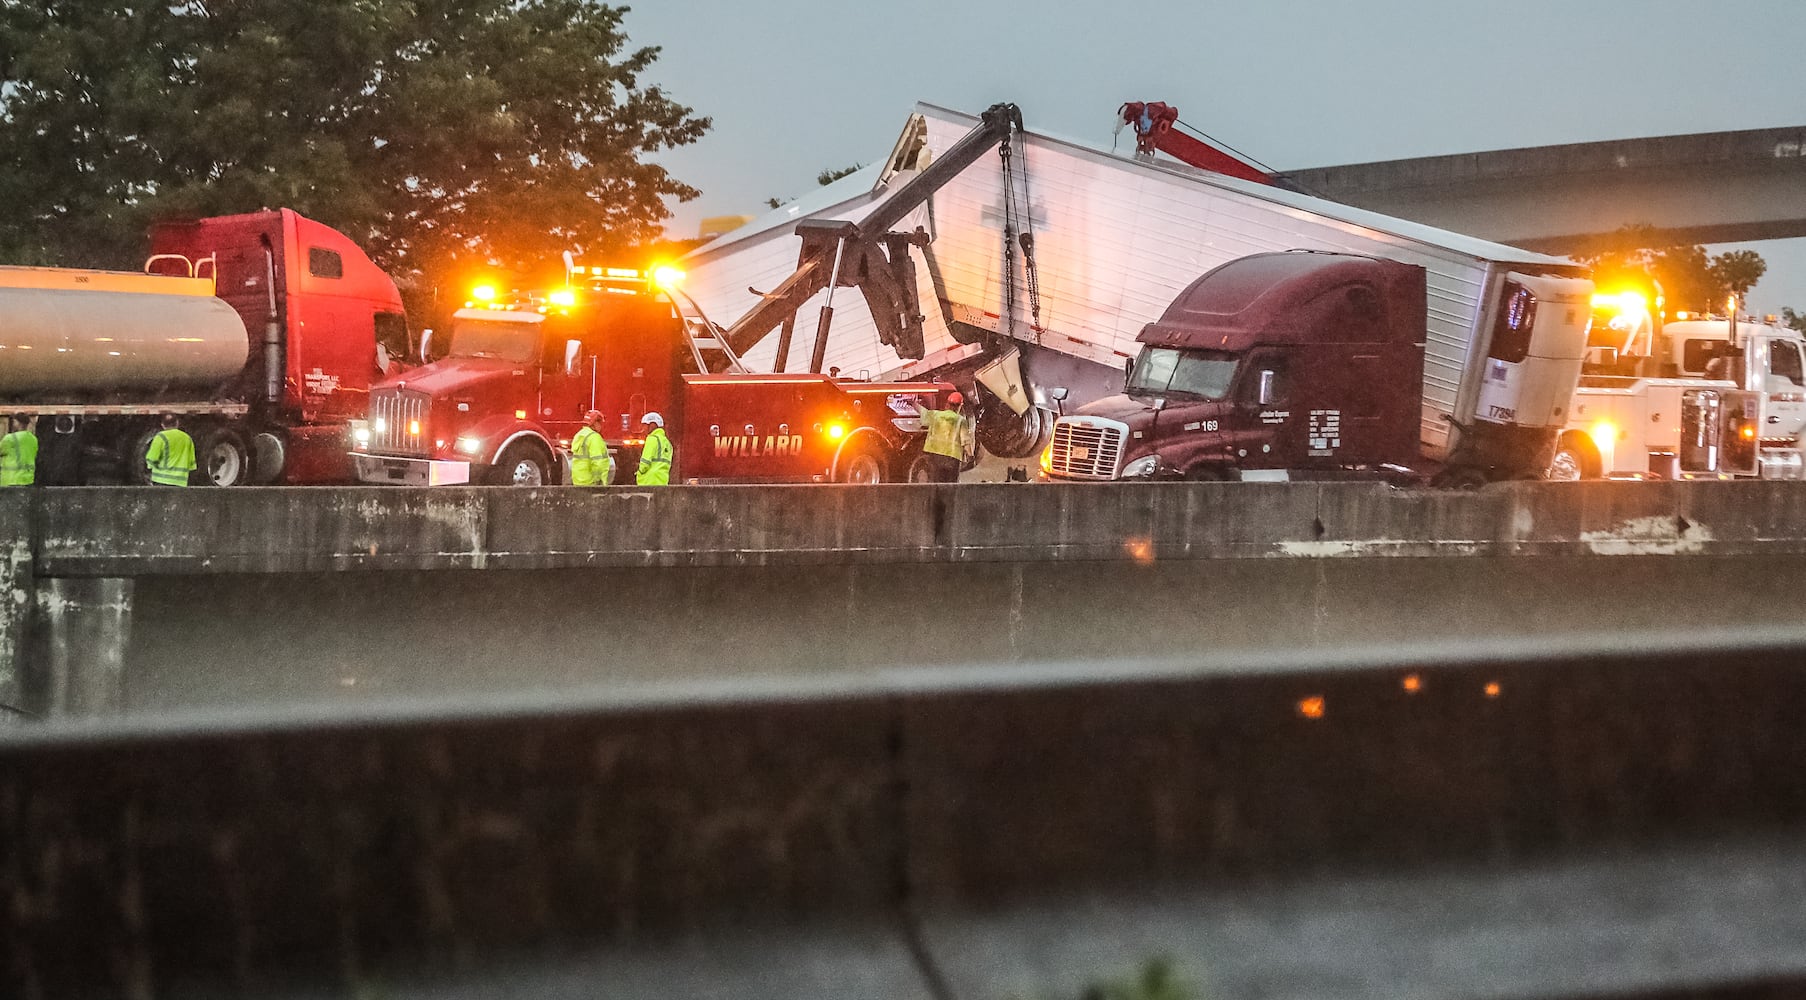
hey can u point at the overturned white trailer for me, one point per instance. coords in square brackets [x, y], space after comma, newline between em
[1114, 239]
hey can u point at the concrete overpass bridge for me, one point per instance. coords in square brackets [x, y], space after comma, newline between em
[1716, 187]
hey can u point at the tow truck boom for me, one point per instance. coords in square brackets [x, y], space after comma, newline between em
[868, 255]
[1153, 122]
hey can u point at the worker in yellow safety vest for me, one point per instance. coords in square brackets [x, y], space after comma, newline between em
[656, 455]
[18, 453]
[590, 464]
[171, 455]
[949, 439]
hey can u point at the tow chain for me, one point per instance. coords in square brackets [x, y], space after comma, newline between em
[1011, 239]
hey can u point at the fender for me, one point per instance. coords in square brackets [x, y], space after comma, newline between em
[527, 432]
[859, 434]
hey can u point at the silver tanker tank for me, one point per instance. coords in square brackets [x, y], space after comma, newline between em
[113, 335]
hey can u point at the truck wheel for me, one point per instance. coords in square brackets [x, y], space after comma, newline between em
[132, 469]
[523, 463]
[223, 457]
[862, 462]
[1461, 477]
[1574, 460]
[921, 470]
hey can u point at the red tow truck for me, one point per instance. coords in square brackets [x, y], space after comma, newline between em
[520, 370]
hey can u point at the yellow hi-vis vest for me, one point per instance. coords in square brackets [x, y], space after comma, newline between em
[19, 459]
[945, 435]
[655, 460]
[589, 459]
[171, 457]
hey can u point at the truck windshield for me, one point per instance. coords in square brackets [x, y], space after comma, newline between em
[1167, 370]
[485, 338]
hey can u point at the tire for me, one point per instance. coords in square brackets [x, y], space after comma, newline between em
[523, 463]
[132, 469]
[863, 463]
[1574, 460]
[1462, 477]
[221, 458]
[921, 470]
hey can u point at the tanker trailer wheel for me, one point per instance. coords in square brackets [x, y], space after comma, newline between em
[863, 463]
[1575, 459]
[223, 457]
[523, 463]
[132, 468]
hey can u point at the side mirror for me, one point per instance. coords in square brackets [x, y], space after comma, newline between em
[1058, 393]
[426, 346]
[1128, 368]
[573, 352]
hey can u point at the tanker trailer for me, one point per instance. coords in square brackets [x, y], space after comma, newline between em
[264, 375]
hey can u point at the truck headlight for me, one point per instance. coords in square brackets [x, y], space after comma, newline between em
[361, 435]
[1143, 466]
[469, 446]
[381, 425]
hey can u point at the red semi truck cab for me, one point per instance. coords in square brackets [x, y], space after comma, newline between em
[502, 405]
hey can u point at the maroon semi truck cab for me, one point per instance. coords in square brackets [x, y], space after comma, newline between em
[1280, 361]
[502, 405]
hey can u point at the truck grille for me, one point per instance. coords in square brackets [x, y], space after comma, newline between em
[398, 421]
[1085, 449]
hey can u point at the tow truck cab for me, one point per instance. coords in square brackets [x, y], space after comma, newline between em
[517, 377]
[515, 381]
[1280, 361]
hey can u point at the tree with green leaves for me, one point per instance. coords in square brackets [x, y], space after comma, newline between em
[1737, 271]
[828, 176]
[1691, 281]
[440, 135]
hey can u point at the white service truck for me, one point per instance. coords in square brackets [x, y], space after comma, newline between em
[1743, 383]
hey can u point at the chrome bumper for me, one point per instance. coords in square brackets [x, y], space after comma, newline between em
[383, 469]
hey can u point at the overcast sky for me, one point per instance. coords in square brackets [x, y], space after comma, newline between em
[796, 86]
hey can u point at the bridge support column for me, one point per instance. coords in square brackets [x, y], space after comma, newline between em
[16, 584]
[82, 628]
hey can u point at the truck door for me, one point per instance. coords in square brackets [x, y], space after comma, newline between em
[1785, 384]
[1278, 436]
[565, 382]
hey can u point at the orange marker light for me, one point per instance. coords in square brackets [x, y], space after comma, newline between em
[1312, 707]
[1492, 689]
[837, 431]
[1412, 684]
[483, 293]
[413, 427]
[520, 414]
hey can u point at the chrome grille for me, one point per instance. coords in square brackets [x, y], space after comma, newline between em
[1085, 451]
[393, 412]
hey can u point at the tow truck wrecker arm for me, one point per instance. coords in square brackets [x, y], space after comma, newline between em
[869, 256]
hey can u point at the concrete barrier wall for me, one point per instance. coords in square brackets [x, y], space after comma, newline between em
[140, 532]
[250, 600]
[401, 850]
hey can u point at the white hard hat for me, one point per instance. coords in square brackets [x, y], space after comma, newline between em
[653, 418]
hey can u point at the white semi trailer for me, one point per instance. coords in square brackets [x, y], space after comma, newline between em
[1111, 241]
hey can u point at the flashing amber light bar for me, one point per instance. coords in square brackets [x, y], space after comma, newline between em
[483, 293]
[562, 297]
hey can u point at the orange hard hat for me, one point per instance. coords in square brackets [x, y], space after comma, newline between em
[955, 398]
